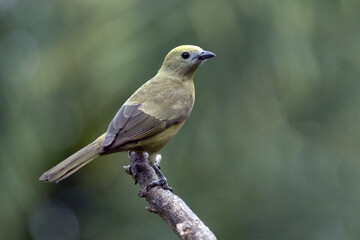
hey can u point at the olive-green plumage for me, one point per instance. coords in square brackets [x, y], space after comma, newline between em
[149, 118]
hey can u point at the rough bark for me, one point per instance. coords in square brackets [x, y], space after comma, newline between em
[181, 219]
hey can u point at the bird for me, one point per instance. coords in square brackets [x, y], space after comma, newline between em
[151, 116]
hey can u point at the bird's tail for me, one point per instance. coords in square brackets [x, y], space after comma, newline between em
[74, 162]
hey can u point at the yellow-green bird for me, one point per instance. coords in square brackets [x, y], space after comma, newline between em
[149, 118]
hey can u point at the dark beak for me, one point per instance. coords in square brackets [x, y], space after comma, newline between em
[205, 55]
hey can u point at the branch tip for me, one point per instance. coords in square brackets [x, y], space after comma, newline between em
[170, 207]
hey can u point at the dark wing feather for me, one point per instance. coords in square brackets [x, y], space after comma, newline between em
[131, 124]
[135, 121]
[125, 113]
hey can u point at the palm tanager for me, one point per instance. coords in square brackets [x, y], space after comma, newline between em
[149, 118]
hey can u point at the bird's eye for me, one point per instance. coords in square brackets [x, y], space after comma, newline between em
[185, 55]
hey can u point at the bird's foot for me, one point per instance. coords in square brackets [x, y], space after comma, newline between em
[162, 180]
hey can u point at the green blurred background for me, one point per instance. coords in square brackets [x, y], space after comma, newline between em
[271, 150]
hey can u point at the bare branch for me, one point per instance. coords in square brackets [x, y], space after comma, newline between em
[170, 207]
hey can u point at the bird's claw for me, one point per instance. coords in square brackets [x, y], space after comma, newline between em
[161, 182]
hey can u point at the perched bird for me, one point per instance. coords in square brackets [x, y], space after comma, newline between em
[149, 118]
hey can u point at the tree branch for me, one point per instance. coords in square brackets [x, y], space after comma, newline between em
[170, 207]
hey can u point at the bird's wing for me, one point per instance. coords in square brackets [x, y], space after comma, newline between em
[139, 121]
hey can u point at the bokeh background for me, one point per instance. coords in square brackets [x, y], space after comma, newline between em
[271, 150]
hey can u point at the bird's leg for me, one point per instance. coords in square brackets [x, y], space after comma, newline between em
[158, 160]
[162, 180]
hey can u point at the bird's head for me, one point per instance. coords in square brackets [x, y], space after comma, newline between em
[183, 61]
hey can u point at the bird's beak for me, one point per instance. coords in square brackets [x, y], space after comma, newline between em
[205, 55]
